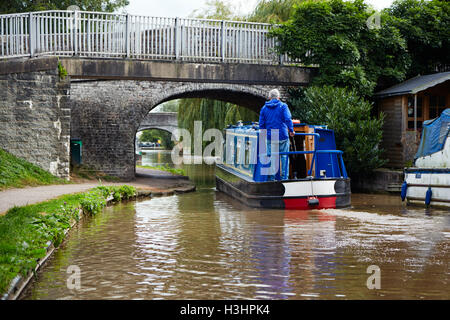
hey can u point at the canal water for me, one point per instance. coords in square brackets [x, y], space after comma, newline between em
[205, 245]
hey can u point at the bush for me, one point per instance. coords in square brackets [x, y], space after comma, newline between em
[93, 202]
[357, 133]
[118, 193]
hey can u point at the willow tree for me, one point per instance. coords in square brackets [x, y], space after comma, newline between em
[273, 11]
[213, 114]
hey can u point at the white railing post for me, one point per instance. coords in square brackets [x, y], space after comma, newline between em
[280, 56]
[223, 36]
[32, 34]
[127, 36]
[177, 39]
[75, 33]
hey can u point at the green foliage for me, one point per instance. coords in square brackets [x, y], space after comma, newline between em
[153, 135]
[93, 202]
[216, 9]
[357, 133]
[334, 36]
[126, 191]
[17, 173]
[14, 6]
[168, 106]
[426, 27]
[26, 232]
[273, 11]
[165, 168]
[117, 192]
[62, 71]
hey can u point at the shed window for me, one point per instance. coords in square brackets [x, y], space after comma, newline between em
[411, 112]
[437, 106]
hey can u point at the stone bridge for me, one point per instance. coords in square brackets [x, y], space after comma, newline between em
[96, 77]
[104, 102]
[166, 121]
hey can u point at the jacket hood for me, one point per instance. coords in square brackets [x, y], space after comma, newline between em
[272, 104]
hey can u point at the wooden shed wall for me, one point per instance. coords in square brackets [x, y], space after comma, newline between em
[392, 131]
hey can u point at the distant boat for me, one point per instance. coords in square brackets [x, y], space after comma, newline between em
[428, 182]
[137, 151]
[317, 174]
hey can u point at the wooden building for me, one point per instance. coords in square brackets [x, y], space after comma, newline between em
[406, 106]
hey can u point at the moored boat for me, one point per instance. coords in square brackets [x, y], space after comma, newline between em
[317, 174]
[428, 181]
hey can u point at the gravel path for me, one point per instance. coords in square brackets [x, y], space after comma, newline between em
[145, 179]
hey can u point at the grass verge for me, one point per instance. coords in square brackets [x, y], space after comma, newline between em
[18, 173]
[180, 172]
[26, 232]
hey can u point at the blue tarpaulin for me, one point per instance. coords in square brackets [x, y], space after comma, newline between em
[434, 134]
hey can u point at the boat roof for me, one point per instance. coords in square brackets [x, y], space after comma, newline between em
[414, 85]
[434, 134]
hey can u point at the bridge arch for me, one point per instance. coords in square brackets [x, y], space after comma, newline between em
[166, 121]
[107, 114]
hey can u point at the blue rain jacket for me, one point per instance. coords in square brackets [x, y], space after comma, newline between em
[276, 115]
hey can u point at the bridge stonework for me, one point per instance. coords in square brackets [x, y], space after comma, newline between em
[166, 121]
[103, 102]
[35, 118]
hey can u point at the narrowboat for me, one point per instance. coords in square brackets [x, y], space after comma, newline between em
[428, 181]
[317, 178]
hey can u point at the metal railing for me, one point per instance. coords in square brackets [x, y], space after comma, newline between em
[109, 35]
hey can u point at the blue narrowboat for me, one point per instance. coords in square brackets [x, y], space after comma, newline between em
[317, 175]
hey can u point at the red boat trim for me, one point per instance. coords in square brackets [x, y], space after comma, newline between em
[302, 203]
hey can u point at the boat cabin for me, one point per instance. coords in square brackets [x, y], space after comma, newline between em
[312, 153]
[317, 178]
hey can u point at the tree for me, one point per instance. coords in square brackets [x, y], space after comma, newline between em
[426, 27]
[357, 133]
[153, 135]
[216, 9]
[12, 6]
[334, 36]
[273, 11]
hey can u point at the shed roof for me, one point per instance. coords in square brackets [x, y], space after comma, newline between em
[414, 85]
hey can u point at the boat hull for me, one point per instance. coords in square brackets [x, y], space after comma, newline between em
[420, 180]
[301, 194]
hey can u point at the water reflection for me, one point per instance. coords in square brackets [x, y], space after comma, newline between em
[205, 245]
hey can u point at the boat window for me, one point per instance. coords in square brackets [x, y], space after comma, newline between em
[238, 152]
[230, 153]
[248, 147]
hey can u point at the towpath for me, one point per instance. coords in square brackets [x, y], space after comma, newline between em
[154, 180]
